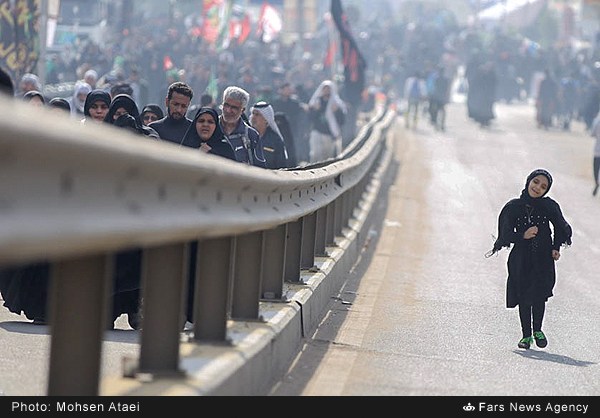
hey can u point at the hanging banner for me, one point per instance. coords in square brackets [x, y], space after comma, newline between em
[354, 63]
[19, 37]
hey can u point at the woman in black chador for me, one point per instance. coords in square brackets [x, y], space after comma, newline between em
[524, 223]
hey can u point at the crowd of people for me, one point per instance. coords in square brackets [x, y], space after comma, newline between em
[235, 130]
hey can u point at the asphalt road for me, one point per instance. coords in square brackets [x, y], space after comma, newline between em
[424, 313]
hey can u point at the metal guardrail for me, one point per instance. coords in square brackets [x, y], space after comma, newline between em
[74, 196]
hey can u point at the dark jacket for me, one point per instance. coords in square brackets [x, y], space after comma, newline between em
[247, 145]
[24, 289]
[171, 129]
[319, 121]
[275, 150]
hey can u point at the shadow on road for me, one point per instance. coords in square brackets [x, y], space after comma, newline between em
[554, 358]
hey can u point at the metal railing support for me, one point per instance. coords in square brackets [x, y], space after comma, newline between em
[274, 263]
[330, 223]
[78, 312]
[309, 232]
[164, 281]
[247, 271]
[347, 202]
[212, 289]
[321, 233]
[339, 216]
[293, 253]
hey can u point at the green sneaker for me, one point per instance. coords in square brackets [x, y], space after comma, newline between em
[525, 342]
[540, 339]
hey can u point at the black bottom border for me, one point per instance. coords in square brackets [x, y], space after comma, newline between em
[449, 406]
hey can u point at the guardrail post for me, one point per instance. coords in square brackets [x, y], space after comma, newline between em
[354, 199]
[330, 225]
[79, 301]
[309, 225]
[321, 233]
[164, 279]
[339, 216]
[247, 269]
[274, 263]
[212, 288]
[348, 206]
[293, 252]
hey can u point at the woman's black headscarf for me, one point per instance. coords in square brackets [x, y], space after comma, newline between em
[219, 145]
[131, 120]
[93, 97]
[60, 103]
[192, 139]
[6, 84]
[34, 93]
[153, 108]
[126, 102]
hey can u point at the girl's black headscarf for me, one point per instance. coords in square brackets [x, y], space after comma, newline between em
[526, 198]
[93, 97]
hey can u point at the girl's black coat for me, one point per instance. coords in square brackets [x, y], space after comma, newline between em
[531, 270]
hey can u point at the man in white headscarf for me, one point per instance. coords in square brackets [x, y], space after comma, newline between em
[29, 82]
[77, 101]
[327, 114]
[262, 118]
[91, 77]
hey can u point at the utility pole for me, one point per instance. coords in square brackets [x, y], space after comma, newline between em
[300, 14]
[43, 28]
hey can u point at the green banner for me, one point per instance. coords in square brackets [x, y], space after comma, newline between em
[19, 37]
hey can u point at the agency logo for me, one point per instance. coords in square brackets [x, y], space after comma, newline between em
[468, 407]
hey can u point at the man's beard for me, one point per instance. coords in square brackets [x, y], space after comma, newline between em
[175, 115]
[229, 120]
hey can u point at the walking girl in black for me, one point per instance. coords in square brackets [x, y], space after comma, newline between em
[525, 224]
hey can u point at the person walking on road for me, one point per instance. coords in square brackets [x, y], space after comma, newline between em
[415, 93]
[524, 224]
[262, 118]
[327, 112]
[596, 164]
[96, 106]
[175, 124]
[244, 139]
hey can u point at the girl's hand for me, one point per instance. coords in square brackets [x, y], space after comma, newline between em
[531, 233]
[555, 255]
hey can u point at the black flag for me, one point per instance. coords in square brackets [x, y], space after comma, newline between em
[354, 63]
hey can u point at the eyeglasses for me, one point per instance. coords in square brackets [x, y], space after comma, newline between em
[150, 117]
